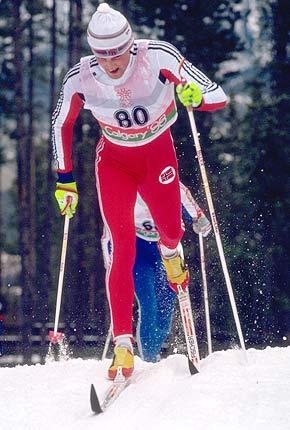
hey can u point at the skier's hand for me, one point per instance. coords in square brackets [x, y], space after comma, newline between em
[189, 94]
[201, 224]
[67, 198]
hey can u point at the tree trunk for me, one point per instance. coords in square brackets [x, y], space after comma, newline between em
[1, 226]
[76, 291]
[71, 35]
[30, 165]
[27, 276]
[45, 235]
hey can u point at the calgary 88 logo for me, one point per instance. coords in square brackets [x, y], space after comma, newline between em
[139, 116]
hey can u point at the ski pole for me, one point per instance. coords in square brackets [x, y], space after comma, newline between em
[205, 293]
[215, 226]
[213, 218]
[107, 343]
[55, 336]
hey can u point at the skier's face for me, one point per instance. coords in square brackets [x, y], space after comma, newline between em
[115, 66]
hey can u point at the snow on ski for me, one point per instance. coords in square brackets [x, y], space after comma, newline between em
[112, 393]
[117, 386]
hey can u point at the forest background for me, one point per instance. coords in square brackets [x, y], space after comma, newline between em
[241, 44]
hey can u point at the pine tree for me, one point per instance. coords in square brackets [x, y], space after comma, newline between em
[256, 150]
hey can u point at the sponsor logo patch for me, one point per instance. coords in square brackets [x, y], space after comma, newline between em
[167, 175]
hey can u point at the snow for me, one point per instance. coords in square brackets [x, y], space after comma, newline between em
[228, 394]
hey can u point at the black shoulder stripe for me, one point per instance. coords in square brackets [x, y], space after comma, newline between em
[190, 69]
[69, 75]
[58, 107]
[163, 44]
[178, 58]
[212, 86]
[196, 74]
[134, 49]
[166, 46]
[212, 89]
[94, 62]
[93, 59]
[54, 117]
[74, 68]
[197, 78]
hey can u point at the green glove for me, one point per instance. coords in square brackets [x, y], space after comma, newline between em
[67, 198]
[189, 94]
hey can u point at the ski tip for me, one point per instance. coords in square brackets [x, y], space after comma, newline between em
[192, 368]
[95, 404]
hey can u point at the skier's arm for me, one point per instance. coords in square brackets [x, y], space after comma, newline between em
[64, 117]
[189, 204]
[192, 212]
[170, 59]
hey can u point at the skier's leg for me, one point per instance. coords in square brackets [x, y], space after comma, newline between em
[165, 298]
[160, 189]
[155, 300]
[144, 277]
[117, 196]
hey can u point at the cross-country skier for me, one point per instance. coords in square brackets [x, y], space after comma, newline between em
[128, 85]
[154, 296]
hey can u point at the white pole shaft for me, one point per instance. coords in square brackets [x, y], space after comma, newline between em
[215, 227]
[61, 273]
[205, 293]
[107, 343]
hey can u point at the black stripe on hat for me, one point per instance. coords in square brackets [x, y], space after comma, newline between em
[109, 36]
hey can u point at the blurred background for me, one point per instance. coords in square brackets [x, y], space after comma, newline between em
[243, 45]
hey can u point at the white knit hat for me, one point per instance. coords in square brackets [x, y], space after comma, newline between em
[109, 33]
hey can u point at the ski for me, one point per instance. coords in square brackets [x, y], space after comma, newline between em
[189, 330]
[112, 393]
